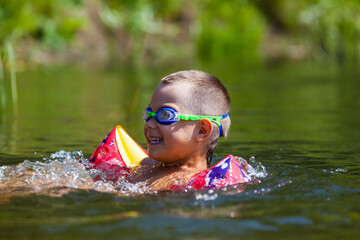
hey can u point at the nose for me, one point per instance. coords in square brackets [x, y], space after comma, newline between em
[151, 123]
[149, 126]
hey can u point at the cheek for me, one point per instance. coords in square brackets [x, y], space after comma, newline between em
[182, 132]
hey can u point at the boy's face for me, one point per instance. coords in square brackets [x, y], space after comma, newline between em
[175, 142]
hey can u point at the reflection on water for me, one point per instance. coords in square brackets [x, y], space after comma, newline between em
[301, 122]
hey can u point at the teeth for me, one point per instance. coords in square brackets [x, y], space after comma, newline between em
[155, 140]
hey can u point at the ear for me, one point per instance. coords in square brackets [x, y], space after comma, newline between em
[205, 130]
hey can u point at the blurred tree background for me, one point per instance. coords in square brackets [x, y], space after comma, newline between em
[107, 33]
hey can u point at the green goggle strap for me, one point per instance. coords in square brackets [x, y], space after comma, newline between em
[215, 119]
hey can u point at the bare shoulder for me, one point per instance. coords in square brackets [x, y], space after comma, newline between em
[148, 162]
[162, 180]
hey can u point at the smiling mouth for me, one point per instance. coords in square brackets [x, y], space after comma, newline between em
[154, 140]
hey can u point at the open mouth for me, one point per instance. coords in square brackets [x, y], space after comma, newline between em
[154, 140]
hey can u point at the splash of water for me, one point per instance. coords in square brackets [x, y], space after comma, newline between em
[207, 196]
[64, 170]
[255, 169]
[71, 170]
[334, 171]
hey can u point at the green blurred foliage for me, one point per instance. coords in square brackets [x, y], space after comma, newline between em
[333, 27]
[136, 17]
[215, 29]
[50, 22]
[231, 28]
[203, 29]
[330, 27]
[283, 14]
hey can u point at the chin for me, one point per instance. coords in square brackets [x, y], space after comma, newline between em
[158, 158]
[155, 156]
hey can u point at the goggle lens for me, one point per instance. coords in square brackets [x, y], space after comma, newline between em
[166, 115]
[169, 116]
[163, 116]
[146, 115]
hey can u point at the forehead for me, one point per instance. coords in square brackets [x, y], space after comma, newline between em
[170, 95]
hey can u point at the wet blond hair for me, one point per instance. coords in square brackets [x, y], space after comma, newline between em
[207, 96]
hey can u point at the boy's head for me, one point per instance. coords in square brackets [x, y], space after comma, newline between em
[193, 93]
[207, 96]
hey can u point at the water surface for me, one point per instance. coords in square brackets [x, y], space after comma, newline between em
[302, 122]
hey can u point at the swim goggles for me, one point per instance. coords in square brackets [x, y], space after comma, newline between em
[169, 116]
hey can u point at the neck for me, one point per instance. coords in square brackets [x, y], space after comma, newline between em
[195, 164]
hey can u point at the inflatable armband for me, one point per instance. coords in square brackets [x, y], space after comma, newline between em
[117, 154]
[226, 172]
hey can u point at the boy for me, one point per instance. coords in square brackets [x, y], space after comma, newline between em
[182, 144]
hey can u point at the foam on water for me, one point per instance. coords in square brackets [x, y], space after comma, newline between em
[62, 169]
[71, 170]
[255, 169]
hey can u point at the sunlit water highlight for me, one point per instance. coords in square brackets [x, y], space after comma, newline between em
[65, 170]
[301, 122]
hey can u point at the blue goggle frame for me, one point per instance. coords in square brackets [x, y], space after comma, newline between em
[169, 116]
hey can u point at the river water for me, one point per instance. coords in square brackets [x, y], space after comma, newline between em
[301, 121]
